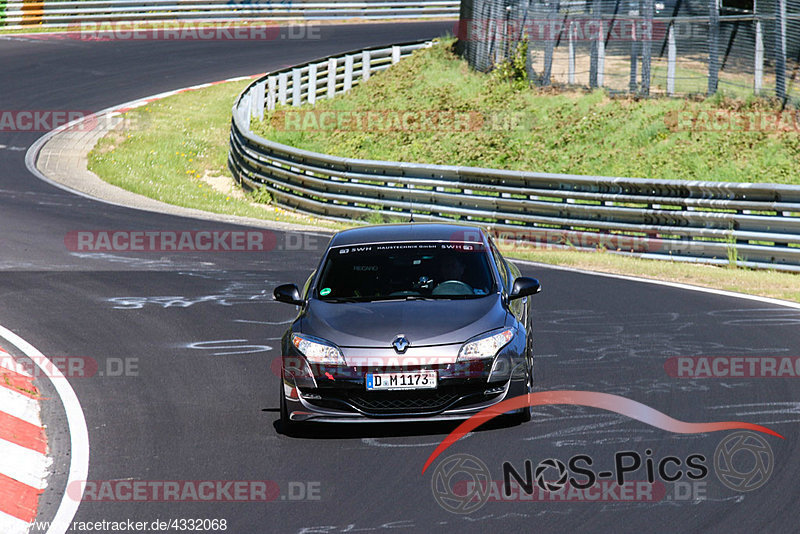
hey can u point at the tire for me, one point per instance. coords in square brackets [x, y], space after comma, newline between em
[285, 423]
[525, 414]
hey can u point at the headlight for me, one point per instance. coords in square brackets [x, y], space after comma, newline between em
[486, 346]
[318, 350]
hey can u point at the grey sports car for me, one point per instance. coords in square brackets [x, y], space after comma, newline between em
[407, 322]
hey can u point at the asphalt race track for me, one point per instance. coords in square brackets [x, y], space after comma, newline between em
[202, 331]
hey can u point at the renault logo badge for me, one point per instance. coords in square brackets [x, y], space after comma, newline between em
[400, 343]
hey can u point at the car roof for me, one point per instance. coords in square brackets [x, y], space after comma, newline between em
[389, 233]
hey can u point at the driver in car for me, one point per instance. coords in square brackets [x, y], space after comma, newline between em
[452, 277]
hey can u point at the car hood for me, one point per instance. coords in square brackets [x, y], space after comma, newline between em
[423, 323]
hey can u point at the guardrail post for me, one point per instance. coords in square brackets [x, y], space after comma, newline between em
[312, 83]
[348, 73]
[271, 93]
[366, 59]
[758, 79]
[244, 110]
[332, 64]
[258, 108]
[672, 52]
[296, 86]
[571, 55]
[282, 83]
[252, 104]
[395, 54]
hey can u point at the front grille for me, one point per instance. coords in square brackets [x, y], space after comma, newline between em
[402, 401]
[357, 399]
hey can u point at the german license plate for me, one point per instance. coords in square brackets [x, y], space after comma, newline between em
[391, 381]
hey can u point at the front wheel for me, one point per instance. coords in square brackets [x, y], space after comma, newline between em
[285, 422]
[525, 414]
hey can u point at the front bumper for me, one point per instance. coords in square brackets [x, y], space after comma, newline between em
[446, 403]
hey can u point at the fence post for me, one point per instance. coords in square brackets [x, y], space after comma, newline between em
[312, 83]
[332, 65]
[713, 46]
[647, 45]
[571, 60]
[601, 55]
[550, 43]
[365, 64]
[282, 83]
[348, 73]
[758, 80]
[594, 54]
[671, 53]
[296, 83]
[395, 54]
[271, 93]
[632, 85]
[780, 49]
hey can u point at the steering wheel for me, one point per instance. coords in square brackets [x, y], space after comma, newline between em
[452, 287]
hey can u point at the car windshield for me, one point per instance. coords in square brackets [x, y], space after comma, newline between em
[405, 271]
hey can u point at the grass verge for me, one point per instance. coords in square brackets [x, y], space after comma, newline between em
[175, 148]
[176, 142]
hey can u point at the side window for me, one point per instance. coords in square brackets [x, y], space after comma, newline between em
[501, 265]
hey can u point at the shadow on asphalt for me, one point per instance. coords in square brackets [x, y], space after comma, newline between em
[377, 429]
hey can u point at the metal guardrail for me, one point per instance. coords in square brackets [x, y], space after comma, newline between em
[756, 225]
[55, 13]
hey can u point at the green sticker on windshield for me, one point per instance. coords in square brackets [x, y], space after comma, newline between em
[325, 291]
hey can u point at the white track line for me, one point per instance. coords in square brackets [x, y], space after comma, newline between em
[677, 285]
[76, 422]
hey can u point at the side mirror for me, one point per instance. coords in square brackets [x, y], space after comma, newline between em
[288, 293]
[524, 286]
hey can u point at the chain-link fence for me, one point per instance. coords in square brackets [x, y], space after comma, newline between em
[674, 47]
